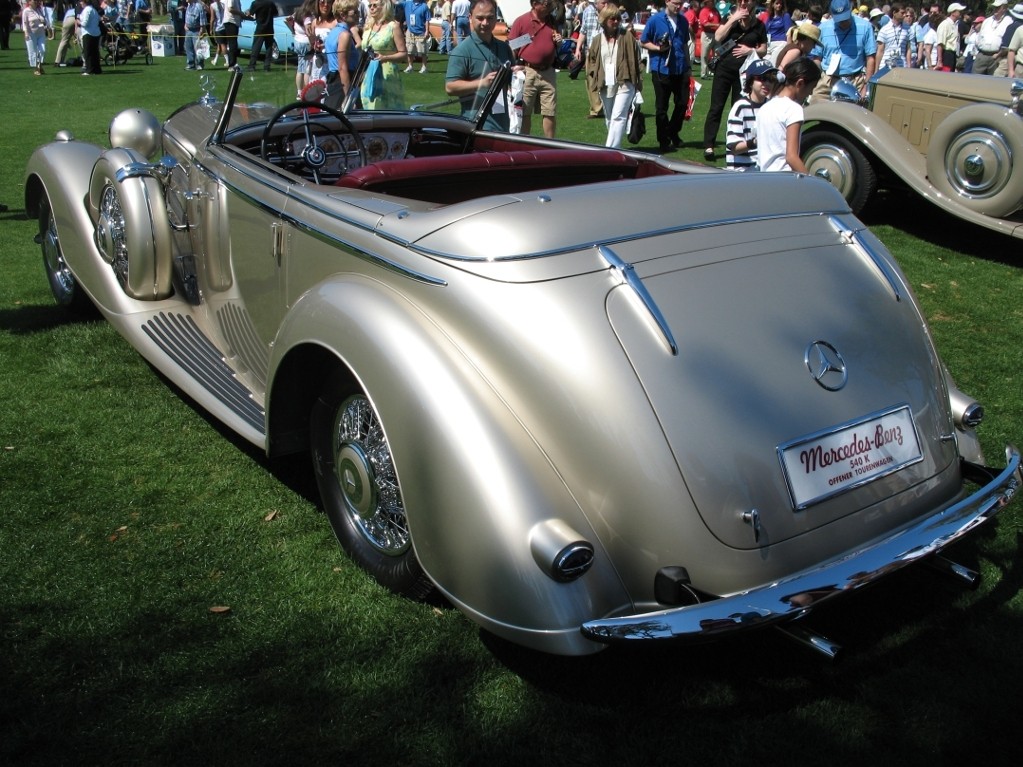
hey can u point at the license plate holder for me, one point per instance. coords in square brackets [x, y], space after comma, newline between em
[836, 460]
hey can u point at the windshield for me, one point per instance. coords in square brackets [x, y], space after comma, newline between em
[375, 88]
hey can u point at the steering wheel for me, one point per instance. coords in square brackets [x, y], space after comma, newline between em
[313, 158]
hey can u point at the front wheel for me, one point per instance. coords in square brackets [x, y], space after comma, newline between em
[837, 160]
[359, 488]
[65, 288]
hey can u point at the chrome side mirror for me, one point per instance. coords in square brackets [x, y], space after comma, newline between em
[845, 91]
[1016, 91]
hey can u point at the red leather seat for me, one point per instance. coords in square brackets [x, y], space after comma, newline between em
[453, 178]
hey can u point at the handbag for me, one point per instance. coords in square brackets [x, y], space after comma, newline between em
[373, 81]
[637, 127]
[202, 48]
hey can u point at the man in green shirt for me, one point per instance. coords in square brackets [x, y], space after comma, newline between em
[474, 62]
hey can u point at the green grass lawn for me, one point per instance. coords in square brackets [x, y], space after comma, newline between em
[169, 598]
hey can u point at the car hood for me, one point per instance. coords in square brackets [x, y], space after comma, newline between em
[768, 451]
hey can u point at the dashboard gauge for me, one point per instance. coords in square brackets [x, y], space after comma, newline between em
[376, 148]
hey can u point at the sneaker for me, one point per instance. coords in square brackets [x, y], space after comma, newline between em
[213, 61]
[408, 69]
[422, 70]
[708, 154]
[190, 68]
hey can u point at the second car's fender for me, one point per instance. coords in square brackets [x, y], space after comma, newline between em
[886, 146]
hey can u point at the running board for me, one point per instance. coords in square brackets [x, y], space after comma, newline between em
[179, 337]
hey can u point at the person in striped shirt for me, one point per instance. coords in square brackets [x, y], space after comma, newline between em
[741, 132]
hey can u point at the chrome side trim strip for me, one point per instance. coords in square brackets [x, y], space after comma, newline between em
[794, 596]
[854, 237]
[632, 237]
[380, 261]
[320, 234]
[628, 274]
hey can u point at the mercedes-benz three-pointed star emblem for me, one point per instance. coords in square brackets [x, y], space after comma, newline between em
[826, 365]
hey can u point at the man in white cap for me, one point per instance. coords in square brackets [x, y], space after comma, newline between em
[948, 37]
[989, 40]
[847, 49]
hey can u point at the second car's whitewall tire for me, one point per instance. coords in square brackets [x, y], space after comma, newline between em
[972, 158]
[132, 229]
[837, 160]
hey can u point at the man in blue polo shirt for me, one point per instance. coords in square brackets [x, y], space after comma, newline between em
[847, 50]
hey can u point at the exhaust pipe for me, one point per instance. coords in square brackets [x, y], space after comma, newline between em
[811, 639]
[962, 574]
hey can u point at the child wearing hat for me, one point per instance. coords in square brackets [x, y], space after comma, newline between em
[741, 129]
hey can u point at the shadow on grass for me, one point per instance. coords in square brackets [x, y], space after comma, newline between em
[918, 218]
[30, 319]
[319, 688]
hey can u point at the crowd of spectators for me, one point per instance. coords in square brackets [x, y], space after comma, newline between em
[619, 47]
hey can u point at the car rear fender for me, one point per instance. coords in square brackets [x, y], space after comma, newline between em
[478, 504]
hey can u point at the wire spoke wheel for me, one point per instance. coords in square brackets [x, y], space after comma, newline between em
[359, 487]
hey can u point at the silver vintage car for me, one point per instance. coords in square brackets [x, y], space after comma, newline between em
[587, 395]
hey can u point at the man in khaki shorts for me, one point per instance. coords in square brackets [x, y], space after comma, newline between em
[417, 32]
[539, 93]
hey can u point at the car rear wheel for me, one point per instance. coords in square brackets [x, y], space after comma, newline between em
[65, 288]
[837, 160]
[359, 488]
[972, 155]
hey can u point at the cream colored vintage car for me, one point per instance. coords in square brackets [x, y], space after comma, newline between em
[956, 139]
[525, 374]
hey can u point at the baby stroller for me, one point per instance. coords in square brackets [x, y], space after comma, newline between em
[120, 45]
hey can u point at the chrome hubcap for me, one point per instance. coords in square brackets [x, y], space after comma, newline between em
[110, 233]
[365, 474]
[834, 165]
[61, 279]
[978, 162]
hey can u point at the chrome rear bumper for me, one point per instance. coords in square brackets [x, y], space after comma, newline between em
[794, 596]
